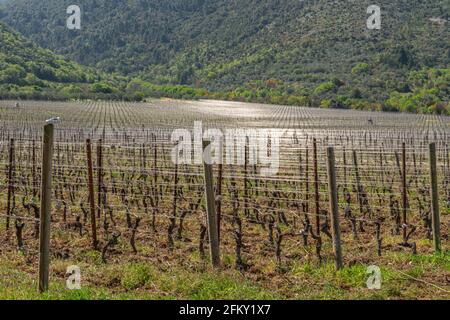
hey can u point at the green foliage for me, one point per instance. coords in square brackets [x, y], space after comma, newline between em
[30, 72]
[12, 74]
[360, 68]
[430, 93]
[326, 103]
[325, 87]
[22, 62]
[102, 87]
[274, 51]
[136, 275]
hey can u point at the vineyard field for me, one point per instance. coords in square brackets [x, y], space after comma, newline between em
[150, 236]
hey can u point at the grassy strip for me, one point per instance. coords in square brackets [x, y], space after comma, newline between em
[141, 280]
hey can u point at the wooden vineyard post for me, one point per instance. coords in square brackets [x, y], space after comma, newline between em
[219, 191]
[334, 208]
[210, 206]
[10, 181]
[307, 180]
[174, 205]
[316, 187]
[358, 180]
[246, 156]
[404, 192]
[91, 193]
[46, 197]
[33, 170]
[99, 177]
[345, 167]
[435, 200]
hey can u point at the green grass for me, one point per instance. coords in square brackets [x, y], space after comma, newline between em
[131, 281]
[323, 282]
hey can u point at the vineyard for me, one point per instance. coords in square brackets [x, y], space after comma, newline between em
[274, 231]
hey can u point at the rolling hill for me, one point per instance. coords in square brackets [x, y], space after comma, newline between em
[284, 51]
[30, 72]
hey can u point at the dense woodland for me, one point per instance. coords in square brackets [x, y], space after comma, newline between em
[316, 53]
[30, 72]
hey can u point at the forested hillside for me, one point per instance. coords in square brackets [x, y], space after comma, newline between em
[26, 68]
[283, 51]
[28, 71]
